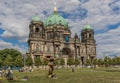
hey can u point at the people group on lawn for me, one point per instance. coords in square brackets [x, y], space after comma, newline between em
[8, 73]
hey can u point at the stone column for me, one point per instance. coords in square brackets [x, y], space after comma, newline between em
[65, 60]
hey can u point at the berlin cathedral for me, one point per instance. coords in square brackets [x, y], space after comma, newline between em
[53, 38]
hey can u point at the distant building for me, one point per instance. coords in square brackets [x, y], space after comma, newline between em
[53, 38]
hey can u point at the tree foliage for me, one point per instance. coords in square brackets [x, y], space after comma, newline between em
[19, 61]
[95, 62]
[100, 62]
[38, 61]
[62, 62]
[77, 61]
[70, 61]
[1, 62]
[8, 61]
[12, 52]
[88, 62]
[116, 60]
[45, 62]
[8, 57]
[29, 61]
[107, 61]
[56, 62]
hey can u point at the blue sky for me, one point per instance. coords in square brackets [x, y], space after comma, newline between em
[102, 15]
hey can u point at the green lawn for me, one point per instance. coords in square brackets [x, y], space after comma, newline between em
[102, 75]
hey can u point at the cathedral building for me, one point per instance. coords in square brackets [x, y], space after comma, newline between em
[53, 38]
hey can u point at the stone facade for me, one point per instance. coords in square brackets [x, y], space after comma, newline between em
[55, 40]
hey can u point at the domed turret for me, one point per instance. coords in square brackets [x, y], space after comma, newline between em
[87, 26]
[36, 18]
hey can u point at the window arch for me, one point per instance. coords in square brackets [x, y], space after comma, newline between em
[37, 47]
[37, 29]
[48, 48]
[90, 35]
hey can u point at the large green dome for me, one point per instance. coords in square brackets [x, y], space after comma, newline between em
[55, 19]
[36, 18]
[87, 26]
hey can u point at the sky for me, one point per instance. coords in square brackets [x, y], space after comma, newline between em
[102, 15]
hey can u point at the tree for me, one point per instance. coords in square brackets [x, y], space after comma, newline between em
[1, 62]
[77, 61]
[88, 62]
[7, 54]
[116, 60]
[70, 61]
[100, 62]
[29, 61]
[12, 52]
[95, 62]
[38, 61]
[19, 61]
[107, 61]
[45, 62]
[62, 62]
[8, 61]
[56, 62]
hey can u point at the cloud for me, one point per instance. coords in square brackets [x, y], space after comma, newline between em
[4, 45]
[108, 42]
[15, 16]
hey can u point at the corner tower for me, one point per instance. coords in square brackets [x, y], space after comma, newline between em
[88, 43]
[36, 37]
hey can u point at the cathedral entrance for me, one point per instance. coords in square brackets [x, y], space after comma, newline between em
[66, 51]
[37, 54]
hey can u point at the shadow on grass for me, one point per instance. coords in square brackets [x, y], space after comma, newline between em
[112, 70]
[14, 81]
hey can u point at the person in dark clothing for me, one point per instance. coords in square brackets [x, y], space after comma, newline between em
[9, 75]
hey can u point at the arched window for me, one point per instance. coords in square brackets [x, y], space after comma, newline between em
[60, 34]
[48, 48]
[48, 35]
[57, 34]
[51, 35]
[66, 51]
[37, 29]
[37, 47]
[90, 35]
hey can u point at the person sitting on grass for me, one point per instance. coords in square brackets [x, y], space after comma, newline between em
[25, 78]
[50, 60]
[9, 75]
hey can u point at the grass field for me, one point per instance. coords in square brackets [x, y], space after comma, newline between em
[103, 75]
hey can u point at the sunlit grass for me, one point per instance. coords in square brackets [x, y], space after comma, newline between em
[101, 75]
